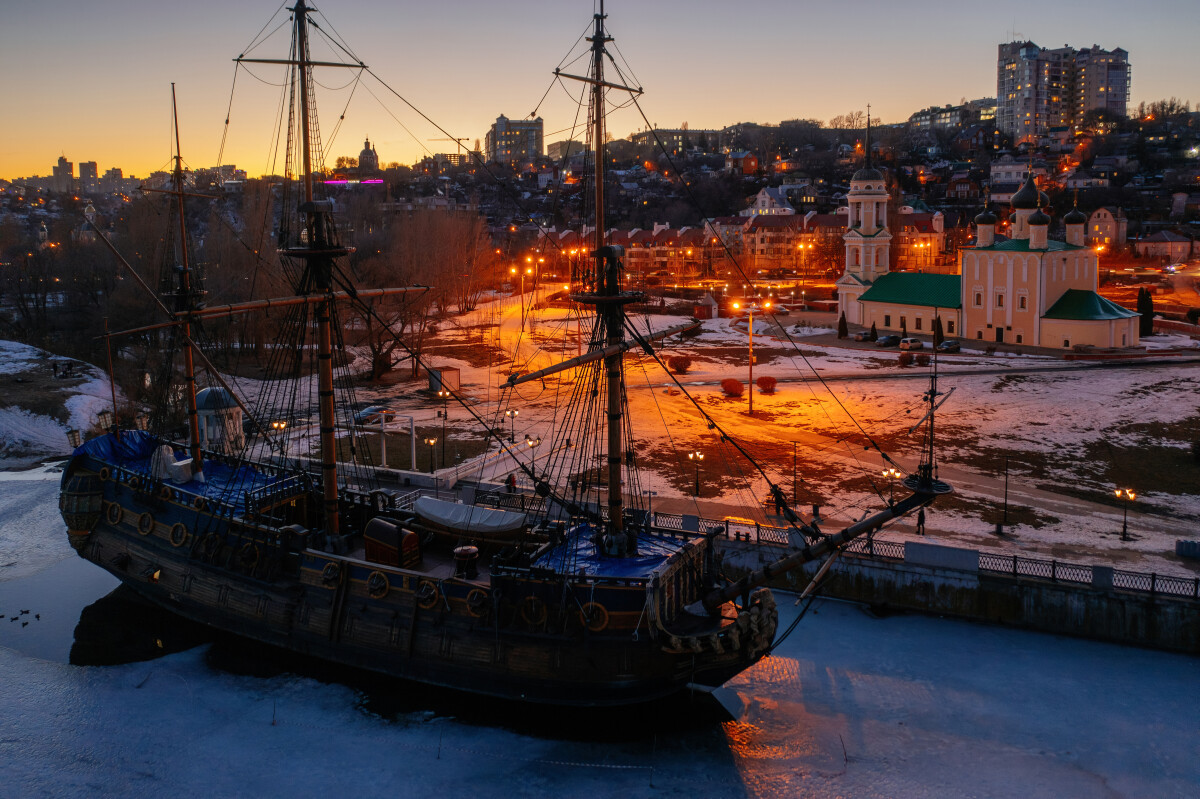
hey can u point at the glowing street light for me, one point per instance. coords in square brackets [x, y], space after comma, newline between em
[695, 458]
[445, 397]
[432, 453]
[532, 444]
[891, 473]
[1125, 495]
[512, 414]
[750, 309]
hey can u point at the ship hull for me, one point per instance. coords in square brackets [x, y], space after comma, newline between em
[525, 636]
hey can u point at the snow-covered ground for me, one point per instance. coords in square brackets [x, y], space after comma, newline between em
[27, 437]
[849, 705]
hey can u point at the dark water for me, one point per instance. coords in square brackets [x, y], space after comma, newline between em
[80, 614]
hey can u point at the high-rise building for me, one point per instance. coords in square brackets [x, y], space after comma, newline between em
[510, 141]
[89, 177]
[64, 175]
[1039, 89]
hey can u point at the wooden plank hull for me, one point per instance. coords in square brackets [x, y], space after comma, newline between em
[533, 637]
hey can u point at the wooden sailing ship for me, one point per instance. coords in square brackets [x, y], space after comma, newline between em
[594, 607]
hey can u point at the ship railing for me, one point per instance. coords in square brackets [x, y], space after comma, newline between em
[274, 493]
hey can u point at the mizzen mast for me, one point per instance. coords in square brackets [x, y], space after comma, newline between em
[185, 300]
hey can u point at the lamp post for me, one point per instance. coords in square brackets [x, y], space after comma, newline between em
[532, 443]
[432, 452]
[695, 458]
[1125, 495]
[512, 415]
[750, 309]
[445, 395]
[891, 473]
[795, 493]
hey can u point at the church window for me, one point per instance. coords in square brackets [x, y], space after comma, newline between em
[887, 320]
[1020, 339]
[1066, 343]
[950, 326]
[999, 300]
[917, 323]
[978, 300]
[1021, 302]
[979, 334]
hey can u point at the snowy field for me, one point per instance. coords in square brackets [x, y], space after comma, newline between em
[849, 706]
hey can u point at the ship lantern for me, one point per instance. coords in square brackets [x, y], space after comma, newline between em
[220, 421]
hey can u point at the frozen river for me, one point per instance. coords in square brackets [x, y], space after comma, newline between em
[850, 705]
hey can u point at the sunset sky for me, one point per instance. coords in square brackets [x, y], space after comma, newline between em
[92, 80]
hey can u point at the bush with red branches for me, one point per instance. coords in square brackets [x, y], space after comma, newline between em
[732, 388]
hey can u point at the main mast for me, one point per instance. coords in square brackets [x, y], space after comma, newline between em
[605, 292]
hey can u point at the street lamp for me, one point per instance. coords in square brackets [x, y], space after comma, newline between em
[891, 473]
[445, 395]
[531, 443]
[750, 309]
[512, 415]
[695, 458]
[432, 452]
[1125, 495]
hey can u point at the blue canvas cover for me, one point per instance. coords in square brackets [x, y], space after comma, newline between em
[132, 450]
[578, 555]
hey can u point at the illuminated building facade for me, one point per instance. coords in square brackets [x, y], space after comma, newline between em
[1039, 89]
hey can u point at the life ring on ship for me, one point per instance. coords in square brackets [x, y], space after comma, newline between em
[533, 611]
[331, 573]
[210, 544]
[145, 523]
[105, 473]
[248, 555]
[113, 513]
[178, 534]
[477, 602]
[199, 503]
[427, 594]
[135, 482]
[594, 617]
[378, 585]
[164, 492]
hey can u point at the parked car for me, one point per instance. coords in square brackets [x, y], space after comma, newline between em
[949, 345]
[373, 414]
[862, 335]
[911, 344]
[887, 341]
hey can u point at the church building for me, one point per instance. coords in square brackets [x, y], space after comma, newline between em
[1027, 289]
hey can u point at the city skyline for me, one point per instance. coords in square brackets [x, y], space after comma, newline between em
[104, 96]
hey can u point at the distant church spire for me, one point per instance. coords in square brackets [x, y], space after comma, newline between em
[868, 135]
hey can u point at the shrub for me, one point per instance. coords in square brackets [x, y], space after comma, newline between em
[679, 364]
[732, 388]
[766, 384]
[906, 359]
[922, 359]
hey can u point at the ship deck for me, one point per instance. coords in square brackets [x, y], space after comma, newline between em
[226, 483]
